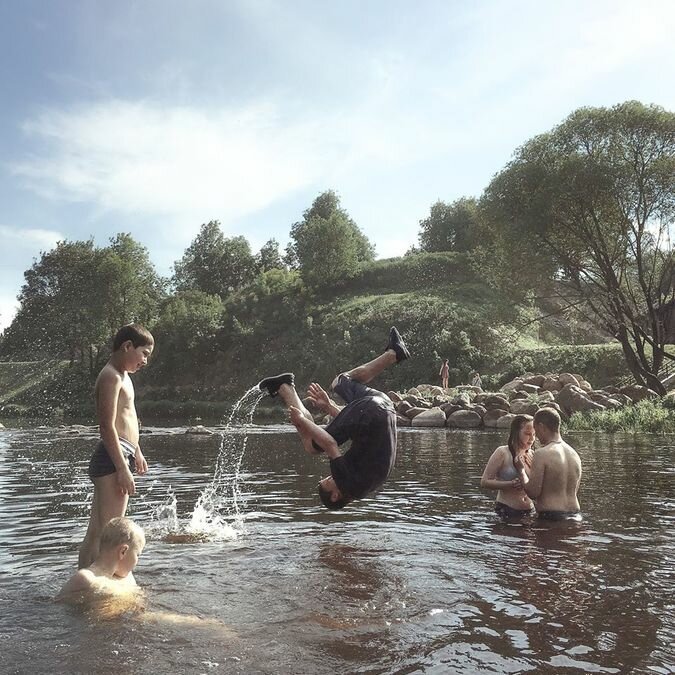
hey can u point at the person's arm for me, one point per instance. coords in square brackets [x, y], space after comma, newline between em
[535, 479]
[312, 432]
[319, 398]
[107, 395]
[489, 480]
[80, 582]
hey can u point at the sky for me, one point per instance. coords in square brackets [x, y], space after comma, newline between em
[156, 116]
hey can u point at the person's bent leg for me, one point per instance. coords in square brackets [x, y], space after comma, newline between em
[290, 397]
[368, 371]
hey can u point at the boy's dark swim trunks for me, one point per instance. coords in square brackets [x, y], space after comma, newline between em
[100, 463]
[369, 421]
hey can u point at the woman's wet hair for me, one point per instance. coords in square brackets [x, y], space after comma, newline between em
[139, 336]
[517, 423]
[325, 496]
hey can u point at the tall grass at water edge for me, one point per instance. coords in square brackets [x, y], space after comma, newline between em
[656, 417]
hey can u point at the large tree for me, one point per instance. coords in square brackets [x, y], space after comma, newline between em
[215, 264]
[327, 245]
[450, 227]
[596, 196]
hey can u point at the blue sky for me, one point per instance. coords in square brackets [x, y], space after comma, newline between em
[153, 117]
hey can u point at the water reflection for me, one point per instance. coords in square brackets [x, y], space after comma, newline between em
[422, 578]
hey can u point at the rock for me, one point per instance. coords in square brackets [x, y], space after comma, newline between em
[584, 384]
[492, 416]
[544, 397]
[495, 401]
[529, 388]
[551, 384]
[461, 399]
[522, 407]
[513, 385]
[416, 401]
[394, 396]
[519, 394]
[414, 392]
[403, 421]
[402, 407]
[504, 422]
[2, 426]
[637, 392]
[469, 388]
[572, 398]
[199, 430]
[464, 419]
[479, 409]
[450, 408]
[567, 378]
[414, 412]
[429, 418]
[436, 391]
[536, 380]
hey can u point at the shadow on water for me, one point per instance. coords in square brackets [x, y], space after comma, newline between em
[422, 578]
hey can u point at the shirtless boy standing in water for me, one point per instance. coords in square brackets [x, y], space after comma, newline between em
[553, 480]
[117, 454]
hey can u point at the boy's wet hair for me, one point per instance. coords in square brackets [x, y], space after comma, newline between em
[121, 531]
[549, 417]
[139, 336]
[325, 496]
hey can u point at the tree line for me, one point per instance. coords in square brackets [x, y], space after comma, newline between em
[584, 211]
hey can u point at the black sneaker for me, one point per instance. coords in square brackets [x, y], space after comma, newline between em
[396, 343]
[271, 384]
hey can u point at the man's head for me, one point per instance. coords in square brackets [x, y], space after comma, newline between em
[125, 540]
[135, 343]
[331, 495]
[546, 424]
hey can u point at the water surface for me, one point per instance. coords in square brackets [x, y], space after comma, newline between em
[420, 579]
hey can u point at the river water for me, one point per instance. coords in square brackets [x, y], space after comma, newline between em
[421, 579]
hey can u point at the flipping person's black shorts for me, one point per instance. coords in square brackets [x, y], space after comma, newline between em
[100, 463]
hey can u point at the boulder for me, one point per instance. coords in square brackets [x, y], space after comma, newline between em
[479, 409]
[436, 391]
[536, 380]
[403, 421]
[461, 399]
[414, 392]
[637, 393]
[416, 401]
[429, 418]
[395, 397]
[402, 407]
[523, 407]
[464, 419]
[513, 385]
[519, 394]
[495, 401]
[545, 396]
[585, 384]
[551, 384]
[199, 430]
[529, 388]
[492, 416]
[572, 398]
[414, 412]
[568, 378]
[504, 422]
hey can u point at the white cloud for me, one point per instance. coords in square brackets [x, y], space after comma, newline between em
[8, 309]
[29, 238]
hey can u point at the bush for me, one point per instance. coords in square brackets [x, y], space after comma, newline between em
[646, 416]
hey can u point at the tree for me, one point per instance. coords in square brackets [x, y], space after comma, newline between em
[327, 244]
[597, 195]
[215, 264]
[450, 227]
[269, 258]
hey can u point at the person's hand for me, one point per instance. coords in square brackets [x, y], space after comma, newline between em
[141, 463]
[319, 397]
[125, 481]
[516, 484]
[296, 416]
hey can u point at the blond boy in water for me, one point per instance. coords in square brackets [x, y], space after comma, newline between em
[118, 454]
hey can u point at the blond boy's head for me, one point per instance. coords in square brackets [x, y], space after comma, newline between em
[120, 531]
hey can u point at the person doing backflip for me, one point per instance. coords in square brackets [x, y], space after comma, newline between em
[368, 420]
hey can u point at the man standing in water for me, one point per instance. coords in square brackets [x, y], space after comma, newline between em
[553, 480]
[368, 420]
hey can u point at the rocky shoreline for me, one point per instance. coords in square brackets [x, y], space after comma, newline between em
[469, 407]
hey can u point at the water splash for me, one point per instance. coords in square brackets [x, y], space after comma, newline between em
[218, 508]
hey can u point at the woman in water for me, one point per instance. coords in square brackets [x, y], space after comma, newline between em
[501, 472]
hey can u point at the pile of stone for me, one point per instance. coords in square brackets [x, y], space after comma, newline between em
[468, 407]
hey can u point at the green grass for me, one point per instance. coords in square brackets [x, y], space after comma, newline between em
[647, 416]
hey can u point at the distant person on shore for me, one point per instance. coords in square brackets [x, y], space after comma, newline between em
[553, 479]
[444, 372]
[368, 420]
[121, 544]
[476, 380]
[501, 472]
[117, 454]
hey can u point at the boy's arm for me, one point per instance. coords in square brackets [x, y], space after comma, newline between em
[321, 400]
[107, 394]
